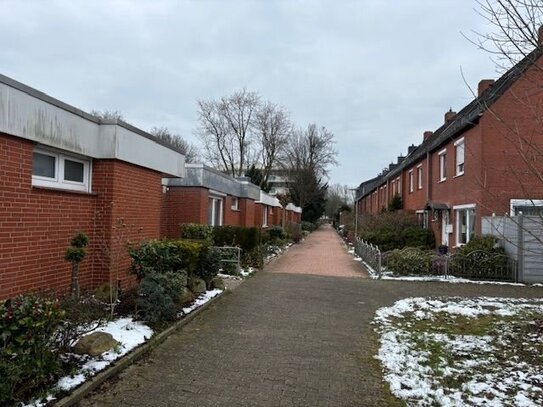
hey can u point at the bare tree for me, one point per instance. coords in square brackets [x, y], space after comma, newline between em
[108, 114]
[514, 27]
[312, 148]
[272, 127]
[225, 129]
[338, 196]
[178, 143]
[309, 155]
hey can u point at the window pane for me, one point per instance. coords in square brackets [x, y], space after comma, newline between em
[471, 223]
[218, 212]
[43, 165]
[74, 171]
[210, 204]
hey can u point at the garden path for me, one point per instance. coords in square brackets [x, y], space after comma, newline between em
[293, 335]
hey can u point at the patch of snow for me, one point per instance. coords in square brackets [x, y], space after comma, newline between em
[413, 373]
[201, 300]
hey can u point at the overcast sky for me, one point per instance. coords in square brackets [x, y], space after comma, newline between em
[377, 73]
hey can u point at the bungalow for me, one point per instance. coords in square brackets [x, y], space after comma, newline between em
[208, 196]
[62, 171]
[486, 159]
[268, 211]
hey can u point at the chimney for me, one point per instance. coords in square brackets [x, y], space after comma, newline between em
[391, 166]
[411, 148]
[427, 135]
[484, 85]
[400, 159]
[449, 116]
[540, 36]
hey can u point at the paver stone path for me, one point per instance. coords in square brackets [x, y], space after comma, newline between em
[297, 334]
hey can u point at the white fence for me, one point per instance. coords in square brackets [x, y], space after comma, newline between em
[522, 238]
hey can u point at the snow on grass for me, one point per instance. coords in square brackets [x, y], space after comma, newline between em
[463, 352]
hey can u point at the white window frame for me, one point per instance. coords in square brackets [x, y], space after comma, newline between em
[425, 218]
[411, 181]
[58, 181]
[235, 203]
[399, 186]
[457, 209]
[459, 166]
[213, 199]
[513, 203]
[419, 176]
[264, 216]
[442, 165]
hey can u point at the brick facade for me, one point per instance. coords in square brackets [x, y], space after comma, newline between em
[36, 224]
[502, 160]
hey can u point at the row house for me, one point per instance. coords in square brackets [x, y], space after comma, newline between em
[486, 159]
[63, 171]
[208, 196]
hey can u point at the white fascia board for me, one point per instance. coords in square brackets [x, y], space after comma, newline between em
[34, 116]
[268, 200]
[465, 206]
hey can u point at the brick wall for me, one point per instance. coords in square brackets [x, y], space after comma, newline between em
[36, 224]
[247, 212]
[183, 205]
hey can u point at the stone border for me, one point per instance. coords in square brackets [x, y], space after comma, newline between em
[120, 364]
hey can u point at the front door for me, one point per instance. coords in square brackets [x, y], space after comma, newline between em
[445, 227]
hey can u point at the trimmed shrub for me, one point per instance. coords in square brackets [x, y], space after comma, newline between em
[276, 233]
[481, 257]
[308, 226]
[395, 230]
[254, 258]
[209, 266]
[161, 256]
[154, 304]
[29, 351]
[294, 231]
[409, 261]
[246, 238]
[196, 231]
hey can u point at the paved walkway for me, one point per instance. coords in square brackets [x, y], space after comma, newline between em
[296, 335]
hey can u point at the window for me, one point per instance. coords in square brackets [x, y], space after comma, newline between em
[527, 207]
[419, 176]
[235, 203]
[264, 215]
[442, 165]
[422, 218]
[459, 154]
[215, 209]
[410, 180]
[399, 186]
[465, 223]
[57, 170]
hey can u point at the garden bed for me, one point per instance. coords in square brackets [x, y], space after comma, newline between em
[130, 334]
[463, 352]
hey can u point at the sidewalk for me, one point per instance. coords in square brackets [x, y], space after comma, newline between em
[323, 253]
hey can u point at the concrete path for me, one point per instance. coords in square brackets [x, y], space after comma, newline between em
[296, 335]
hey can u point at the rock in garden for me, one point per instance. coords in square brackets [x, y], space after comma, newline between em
[218, 283]
[95, 344]
[186, 296]
[197, 285]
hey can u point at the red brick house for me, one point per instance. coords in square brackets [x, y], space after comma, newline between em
[268, 211]
[207, 196]
[486, 159]
[63, 171]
